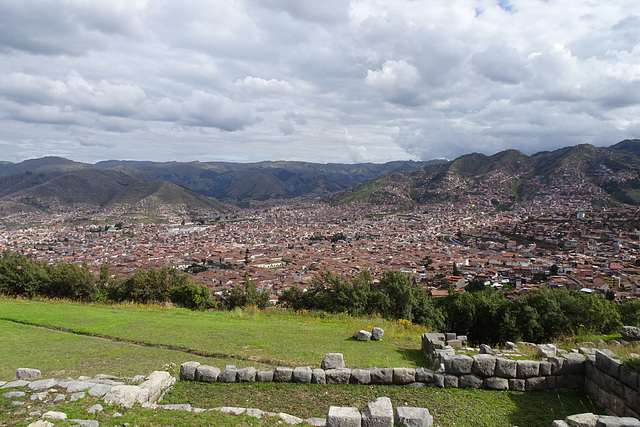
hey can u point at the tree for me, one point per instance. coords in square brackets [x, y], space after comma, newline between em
[475, 285]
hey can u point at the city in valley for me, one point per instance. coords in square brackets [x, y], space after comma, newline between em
[554, 243]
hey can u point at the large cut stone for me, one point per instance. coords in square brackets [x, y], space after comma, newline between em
[282, 375]
[413, 417]
[27, 374]
[573, 363]
[484, 365]
[362, 335]
[42, 384]
[377, 333]
[318, 376]
[360, 377]
[126, 396]
[546, 350]
[582, 420]
[496, 383]
[424, 375]
[506, 368]
[188, 371]
[247, 375]
[206, 373]
[381, 376]
[630, 333]
[338, 376]
[229, 375]
[460, 365]
[527, 369]
[157, 383]
[470, 381]
[402, 376]
[332, 361]
[339, 416]
[608, 421]
[378, 413]
[264, 376]
[302, 374]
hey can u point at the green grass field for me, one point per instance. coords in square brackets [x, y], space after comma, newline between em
[130, 340]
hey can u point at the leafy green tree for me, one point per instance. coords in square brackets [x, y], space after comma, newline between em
[475, 285]
[630, 313]
[400, 290]
[190, 295]
[67, 280]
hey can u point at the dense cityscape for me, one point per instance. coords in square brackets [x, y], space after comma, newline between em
[440, 245]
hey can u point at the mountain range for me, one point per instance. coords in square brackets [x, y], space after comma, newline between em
[595, 174]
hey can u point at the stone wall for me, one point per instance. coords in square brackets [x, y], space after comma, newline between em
[612, 385]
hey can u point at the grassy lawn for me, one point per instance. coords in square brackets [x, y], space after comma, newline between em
[243, 338]
[252, 338]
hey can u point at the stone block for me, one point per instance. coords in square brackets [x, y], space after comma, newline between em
[556, 364]
[42, 384]
[517, 384]
[484, 365]
[450, 336]
[99, 390]
[451, 381]
[205, 373]
[157, 383]
[462, 338]
[188, 371]
[318, 376]
[527, 369]
[282, 375]
[570, 381]
[546, 350]
[506, 368]
[378, 413]
[229, 375]
[545, 369]
[126, 396]
[360, 376]
[455, 343]
[362, 335]
[381, 376]
[582, 420]
[424, 375]
[460, 365]
[406, 416]
[496, 383]
[573, 363]
[608, 421]
[27, 374]
[265, 376]
[302, 374]
[402, 376]
[339, 416]
[377, 334]
[247, 375]
[629, 377]
[630, 333]
[551, 382]
[470, 381]
[338, 376]
[560, 423]
[332, 361]
[614, 368]
[438, 380]
[535, 383]
[485, 349]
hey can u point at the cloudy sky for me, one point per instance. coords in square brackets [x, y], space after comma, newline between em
[314, 80]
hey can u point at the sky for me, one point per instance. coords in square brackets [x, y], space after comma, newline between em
[331, 81]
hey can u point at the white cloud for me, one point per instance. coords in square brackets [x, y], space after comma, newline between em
[282, 79]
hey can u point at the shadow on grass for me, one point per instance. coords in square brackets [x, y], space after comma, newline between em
[412, 355]
[539, 408]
